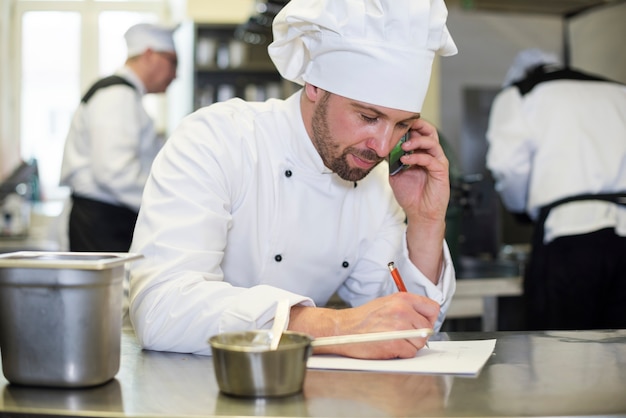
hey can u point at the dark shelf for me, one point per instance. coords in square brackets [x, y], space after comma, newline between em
[226, 67]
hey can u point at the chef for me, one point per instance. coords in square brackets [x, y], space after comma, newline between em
[252, 203]
[557, 150]
[112, 142]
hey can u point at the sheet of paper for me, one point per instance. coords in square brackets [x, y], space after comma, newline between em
[442, 357]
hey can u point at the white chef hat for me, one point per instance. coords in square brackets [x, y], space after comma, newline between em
[526, 60]
[375, 51]
[145, 36]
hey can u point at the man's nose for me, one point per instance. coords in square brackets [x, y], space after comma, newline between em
[383, 141]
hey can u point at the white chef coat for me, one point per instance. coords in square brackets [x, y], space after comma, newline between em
[240, 212]
[563, 138]
[111, 145]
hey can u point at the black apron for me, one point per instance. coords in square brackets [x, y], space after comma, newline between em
[534, 280]
[96, 226]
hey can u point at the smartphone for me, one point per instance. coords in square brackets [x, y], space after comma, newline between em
[395, 166]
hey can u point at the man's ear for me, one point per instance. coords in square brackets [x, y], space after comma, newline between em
[313, 93]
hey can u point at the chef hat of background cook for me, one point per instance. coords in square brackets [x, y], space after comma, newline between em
[143, 36]
[526, 60]
[375, 51]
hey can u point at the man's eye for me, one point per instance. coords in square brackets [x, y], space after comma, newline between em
[368, 119]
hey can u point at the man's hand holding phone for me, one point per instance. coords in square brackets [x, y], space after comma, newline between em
[423, 191]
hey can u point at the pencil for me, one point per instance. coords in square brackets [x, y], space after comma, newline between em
[399, 282]
[396, 277]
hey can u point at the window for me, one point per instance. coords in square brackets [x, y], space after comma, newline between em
[49, 85]
[65, 46]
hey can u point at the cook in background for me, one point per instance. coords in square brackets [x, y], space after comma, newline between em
[112, 142]
[557, 151]
[251, 203]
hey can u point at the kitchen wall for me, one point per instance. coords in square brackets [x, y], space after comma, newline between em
[214, 11]
[597, 41]
[487, 42]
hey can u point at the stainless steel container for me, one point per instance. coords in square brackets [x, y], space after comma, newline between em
[61, 317]
[245, 366]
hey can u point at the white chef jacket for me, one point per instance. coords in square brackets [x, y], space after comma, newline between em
[111, 145]
[240, 212]
[563, 138]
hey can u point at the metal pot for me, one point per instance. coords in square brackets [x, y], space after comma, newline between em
[246, 366]
[61, 317]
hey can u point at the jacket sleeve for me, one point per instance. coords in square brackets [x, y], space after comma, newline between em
[509, 155]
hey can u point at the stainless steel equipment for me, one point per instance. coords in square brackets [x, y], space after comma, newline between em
[61, 317]
[246, 365]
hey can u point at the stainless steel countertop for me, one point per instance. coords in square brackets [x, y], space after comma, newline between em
[571, 373]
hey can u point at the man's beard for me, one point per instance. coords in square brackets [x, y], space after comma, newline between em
[327, 147]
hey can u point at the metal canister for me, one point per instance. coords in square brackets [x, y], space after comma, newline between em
[61, 317]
